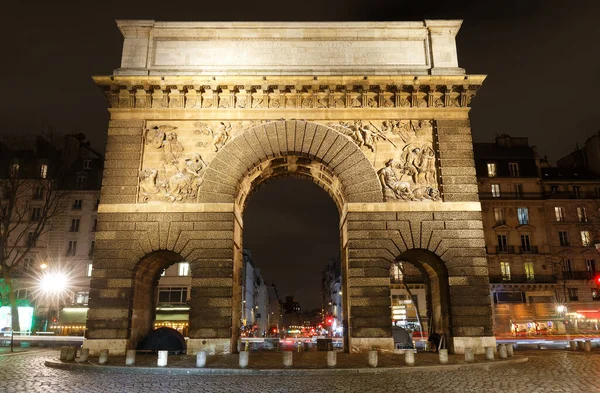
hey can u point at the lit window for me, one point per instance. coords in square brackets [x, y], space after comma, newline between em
[88, 271]
[43, 171]
[496, 190]
[513, 169]
[595, 294]
[82, 298]
[491, 168]
[499, 215]
[505, 269]
[559, 212]
[523, 215]
[563, 238]
[184, 269]
[582, 214]
[529, 271]
[586, 239]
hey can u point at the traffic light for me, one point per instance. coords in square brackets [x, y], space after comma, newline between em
[329, 320]
[597, 280]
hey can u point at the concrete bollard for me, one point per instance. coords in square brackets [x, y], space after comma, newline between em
[587, 346]
[331, 358]
[288, 358]
[70, 354]
[502, 351]
[163, 357]
[130, 357]
[510, 350]
[201, 359]
[580, 345]
[63, 353]
[83, 357]
[244, 359]
[573, 345]
[469, 356]
[372, 357]
[443, 354]
[489, 353]
[103, 357]
[409, 357]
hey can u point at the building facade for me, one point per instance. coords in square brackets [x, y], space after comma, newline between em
[540, 224]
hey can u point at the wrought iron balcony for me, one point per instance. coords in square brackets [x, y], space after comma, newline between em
[523, 279]
[505, 249]
[577, 275]
[529, 250]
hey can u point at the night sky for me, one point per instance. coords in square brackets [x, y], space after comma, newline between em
[541, 58]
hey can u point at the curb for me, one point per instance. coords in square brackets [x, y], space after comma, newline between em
[237, 371]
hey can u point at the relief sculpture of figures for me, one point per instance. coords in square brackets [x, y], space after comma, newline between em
[392, 186]
[148, 183]
[172, 148]
[220, 134]
[365, 135]
[185, 183]
[155, 136]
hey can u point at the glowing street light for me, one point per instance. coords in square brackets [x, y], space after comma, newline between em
[54, 283]
[561, 309]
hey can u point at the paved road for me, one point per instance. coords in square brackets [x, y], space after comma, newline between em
[547, 371]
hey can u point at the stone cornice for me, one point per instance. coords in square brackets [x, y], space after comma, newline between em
[279, 92]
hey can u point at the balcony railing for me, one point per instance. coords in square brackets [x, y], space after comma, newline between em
[578, 275]
[517, 250]
[571, 195]
[528, 250]
[510, 195]
[505, 249]
[522, 279]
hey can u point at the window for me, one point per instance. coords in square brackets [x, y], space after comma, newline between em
[523, 215]
[23, 294]
[563, 238]
[72, 248]
[525, 243]
[82, 298]
[582, 214]
[184, 269]
[89, 269]
[36, 213]
[172, 295]
[95, 225]
[14, 169]
[81, 182]
[529, 271]
[597, 192]
[513, 169]
[31, 239]
[77, 204]
[87, 164]
[505, 270]
[559, 212]
[74, 225]
[577, 191]
[499, 215]
[518, 190]
[554, 189]
[590, 265]
[491, 168]
[496, 190]
[573, 294]
[38, 193]
[92, 246]
[502, 243]
[396, 273]
[586, 239]
[595, 294]
[43, 171]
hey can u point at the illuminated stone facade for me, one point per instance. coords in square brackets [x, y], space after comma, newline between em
[374, 113]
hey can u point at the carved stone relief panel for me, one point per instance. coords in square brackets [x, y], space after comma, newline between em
[176, 154]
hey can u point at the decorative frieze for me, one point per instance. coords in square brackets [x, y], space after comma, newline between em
[289, 96]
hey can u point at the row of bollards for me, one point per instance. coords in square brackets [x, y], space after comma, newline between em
[504, 351]
[581, 345]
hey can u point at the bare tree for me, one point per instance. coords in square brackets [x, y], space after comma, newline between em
[27, 207]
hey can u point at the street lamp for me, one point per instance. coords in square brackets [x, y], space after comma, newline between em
[53, 285]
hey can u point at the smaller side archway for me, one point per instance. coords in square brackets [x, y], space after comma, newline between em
[435, 275]
[146, 274]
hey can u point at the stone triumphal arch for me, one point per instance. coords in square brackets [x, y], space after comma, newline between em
[377, 114]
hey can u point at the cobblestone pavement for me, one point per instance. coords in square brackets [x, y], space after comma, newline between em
[547, 371]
